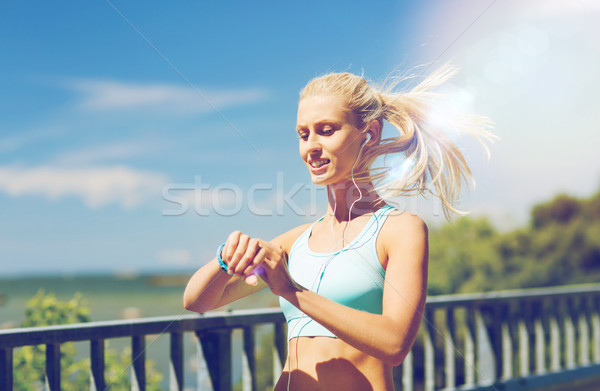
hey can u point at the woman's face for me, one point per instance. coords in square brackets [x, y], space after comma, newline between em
[329, 141]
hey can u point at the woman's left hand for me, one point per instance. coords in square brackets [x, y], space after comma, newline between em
[270, 264]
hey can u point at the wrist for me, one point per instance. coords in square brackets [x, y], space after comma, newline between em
[222, 263]
[291, 292]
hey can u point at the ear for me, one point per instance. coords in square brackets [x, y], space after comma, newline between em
[373, 132]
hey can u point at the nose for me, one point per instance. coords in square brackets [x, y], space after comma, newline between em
[312, 143]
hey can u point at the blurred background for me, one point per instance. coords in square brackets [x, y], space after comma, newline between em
[134, 137]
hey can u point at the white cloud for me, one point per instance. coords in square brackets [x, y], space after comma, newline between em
[104, 95]
[179, 257]
[18, 138]
[103, 152]
[96, 186]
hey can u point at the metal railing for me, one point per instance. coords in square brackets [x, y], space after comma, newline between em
[513, 340]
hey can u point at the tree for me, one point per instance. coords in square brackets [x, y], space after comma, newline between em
[29, 361]
[463, 257]
[562, 209]
[560, 246]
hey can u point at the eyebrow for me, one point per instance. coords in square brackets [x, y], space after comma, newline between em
[321, 123]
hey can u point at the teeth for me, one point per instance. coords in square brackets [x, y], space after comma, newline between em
[319, 163]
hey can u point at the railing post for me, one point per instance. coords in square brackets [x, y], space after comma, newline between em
[97, 380]
[53, 366]
[492, 315]
[584, 332]
[203, 381]
[524, 340]
[176, 362]
[279, 350]
[138, 360]
[514, 326]
[595, 310]
[554, 343]
[569, 335]
[486, 373]
[540, 337]
[216, 346]
[429, 348]
[249, 361]
[408, 373]
[507, 343]
[449, 349]
[470, 332]
[6, 369]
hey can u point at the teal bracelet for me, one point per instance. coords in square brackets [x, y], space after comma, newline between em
[223, 264]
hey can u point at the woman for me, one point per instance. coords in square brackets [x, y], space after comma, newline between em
[353, 284]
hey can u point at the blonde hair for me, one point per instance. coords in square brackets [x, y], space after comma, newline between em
[436, 165]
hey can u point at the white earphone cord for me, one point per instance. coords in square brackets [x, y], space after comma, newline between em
[333, 253]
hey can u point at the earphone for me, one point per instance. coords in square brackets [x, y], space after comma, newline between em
[366, 140]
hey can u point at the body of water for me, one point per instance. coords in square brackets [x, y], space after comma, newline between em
[110, 297]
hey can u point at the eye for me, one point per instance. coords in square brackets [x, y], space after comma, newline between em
[303, 136]
[326, 131]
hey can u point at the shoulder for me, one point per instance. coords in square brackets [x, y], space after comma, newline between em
[401, 224]
[287, 239]
[403, 234]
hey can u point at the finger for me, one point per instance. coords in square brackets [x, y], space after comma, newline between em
[239, 252]
[252, 279]
[230, 246]
[273, 254]
[266, 250]
[256, 262]
[248, 256]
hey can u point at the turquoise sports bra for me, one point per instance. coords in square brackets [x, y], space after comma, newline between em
[351, 276]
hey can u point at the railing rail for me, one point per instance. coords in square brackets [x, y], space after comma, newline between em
[514, 340]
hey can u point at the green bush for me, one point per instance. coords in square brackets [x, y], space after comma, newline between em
[29, 361]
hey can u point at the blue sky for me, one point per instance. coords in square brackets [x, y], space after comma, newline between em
[134, 136]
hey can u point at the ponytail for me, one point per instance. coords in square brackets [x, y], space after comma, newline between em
[433, 164]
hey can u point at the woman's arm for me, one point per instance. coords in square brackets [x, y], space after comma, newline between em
[211, 287]
[389, 336]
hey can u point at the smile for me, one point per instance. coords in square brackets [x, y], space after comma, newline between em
[319, 163]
